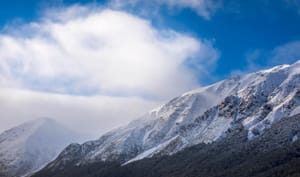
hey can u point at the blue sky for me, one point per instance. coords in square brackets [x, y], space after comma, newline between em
[85, 63]
[237, 27]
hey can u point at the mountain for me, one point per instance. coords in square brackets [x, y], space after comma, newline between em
[249, 103]
[30, 146]
[276, 153]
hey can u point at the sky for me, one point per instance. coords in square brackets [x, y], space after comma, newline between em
[95, 65]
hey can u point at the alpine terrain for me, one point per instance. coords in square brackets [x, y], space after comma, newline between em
[28, 147]
[236, 113]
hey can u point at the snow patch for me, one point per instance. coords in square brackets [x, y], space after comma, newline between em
[295, 138]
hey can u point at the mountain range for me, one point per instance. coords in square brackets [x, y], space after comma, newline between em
[248, 104]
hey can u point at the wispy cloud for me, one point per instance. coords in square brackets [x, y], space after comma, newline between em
[259, 59]
[204, 8]
[286, 53]
[83, 54]
[294, 4]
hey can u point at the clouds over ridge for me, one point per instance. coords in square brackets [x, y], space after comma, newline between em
[105, 53]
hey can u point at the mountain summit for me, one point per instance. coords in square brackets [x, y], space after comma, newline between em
[30, 146]
[251, 103]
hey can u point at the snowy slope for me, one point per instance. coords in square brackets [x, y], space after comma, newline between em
[30, 146]
[252, 102]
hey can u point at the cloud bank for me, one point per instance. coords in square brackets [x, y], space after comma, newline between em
[95, 65]
[90, 116]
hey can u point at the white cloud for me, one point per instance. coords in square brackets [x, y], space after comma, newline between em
[204, 8]
[121, 59]
[108, 51]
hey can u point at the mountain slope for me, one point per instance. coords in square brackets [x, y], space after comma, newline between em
[30, 146]
[276, 153]
[252, 102]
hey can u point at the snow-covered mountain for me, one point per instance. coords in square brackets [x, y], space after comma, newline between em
[30, 146]
[251, 102]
